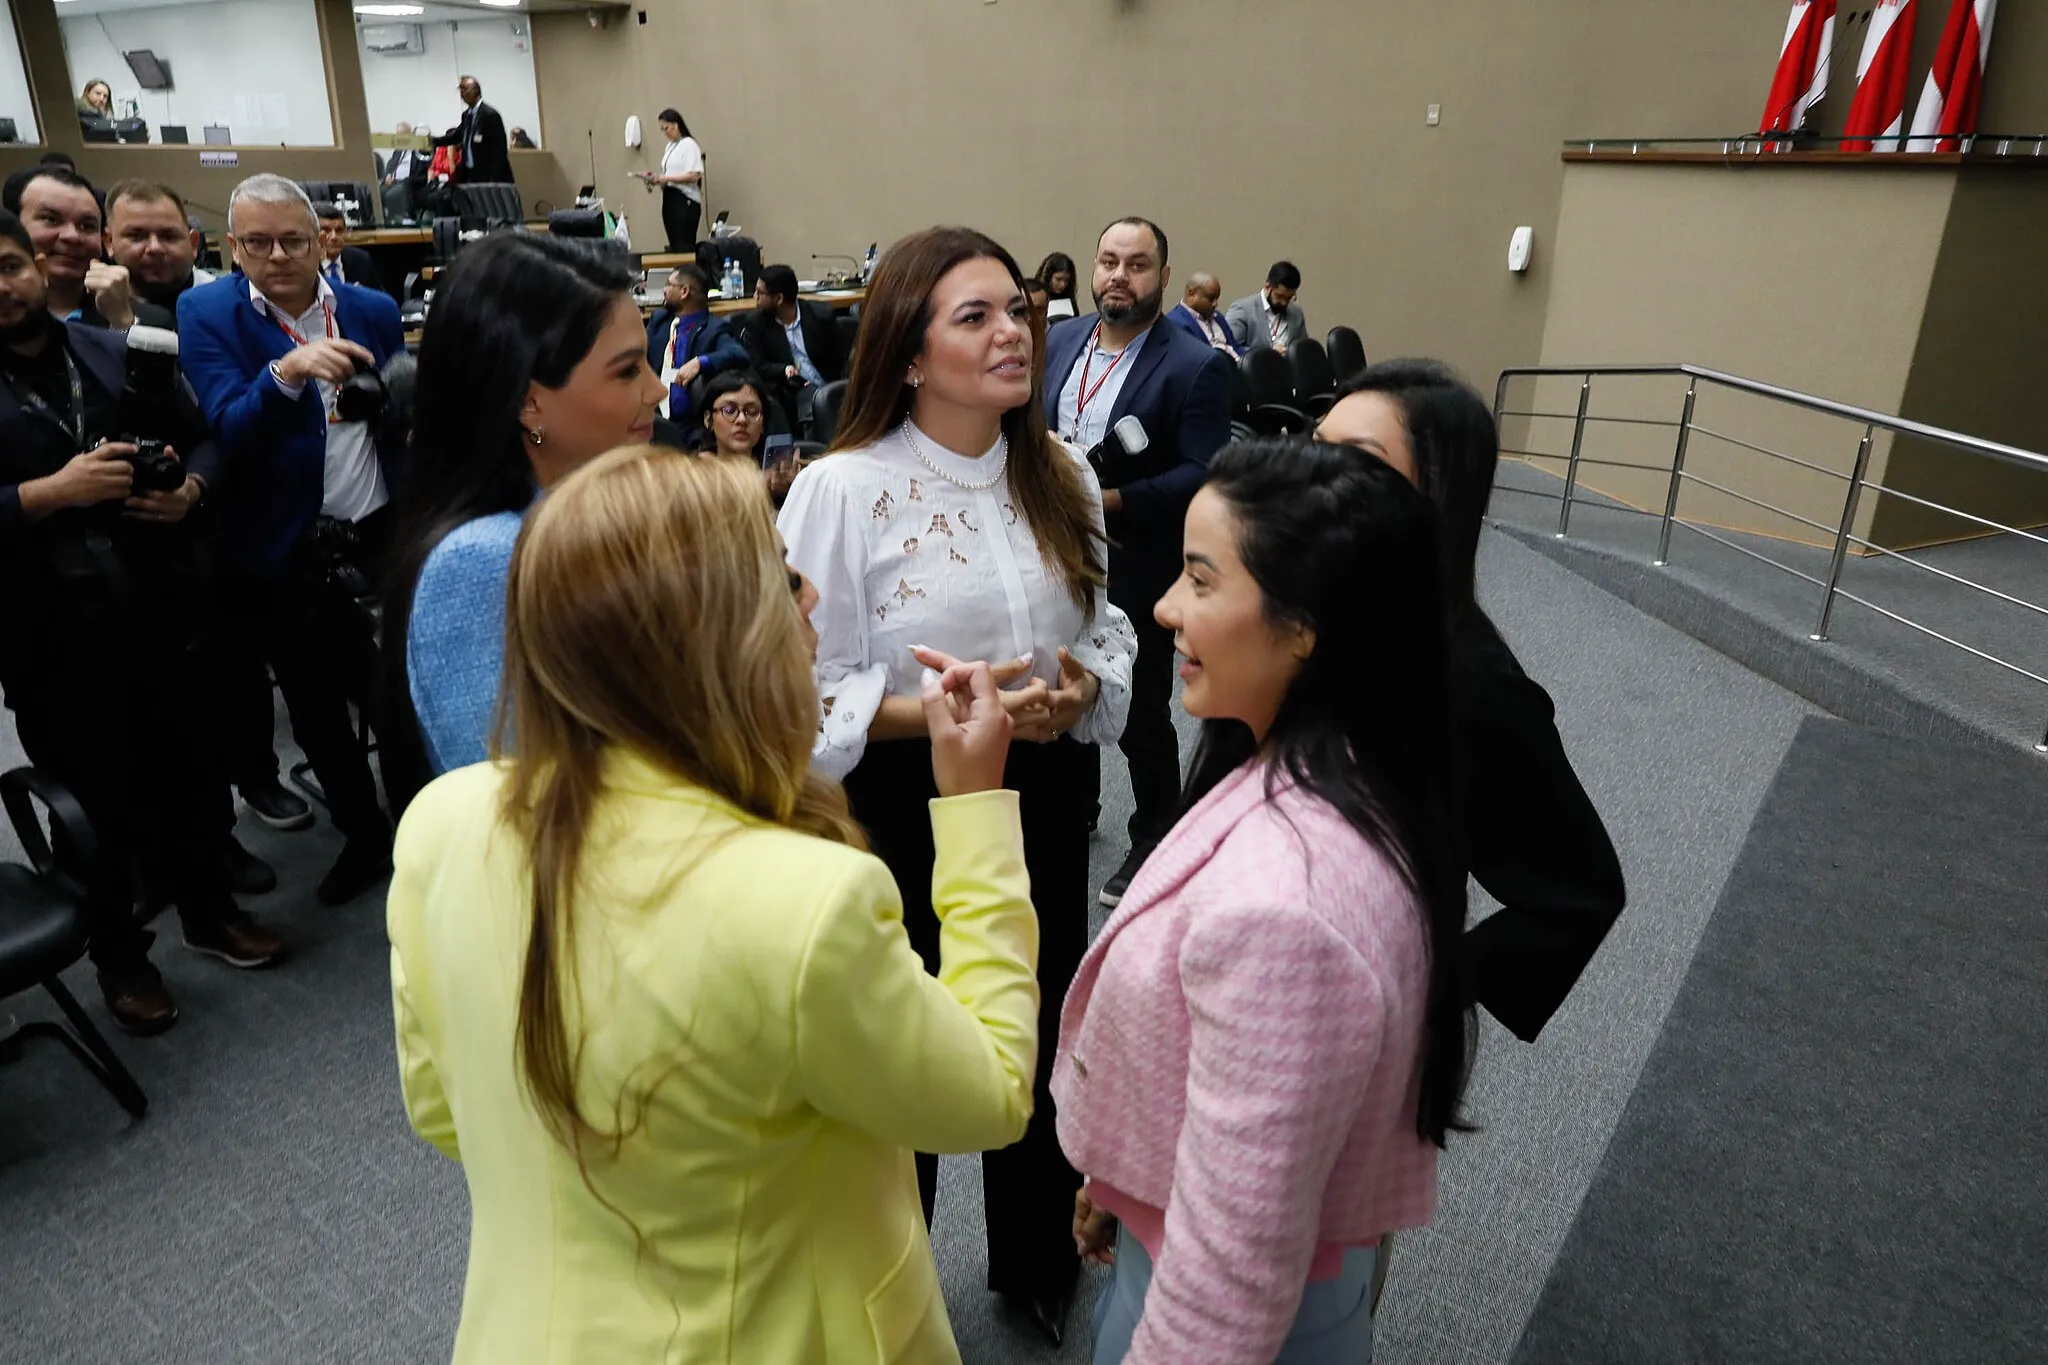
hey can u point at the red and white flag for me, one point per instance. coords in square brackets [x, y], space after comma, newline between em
[1955, 85]
[1879, 108]
[1802, 65]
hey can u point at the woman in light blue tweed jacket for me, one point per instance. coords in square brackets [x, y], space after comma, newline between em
[534, 363]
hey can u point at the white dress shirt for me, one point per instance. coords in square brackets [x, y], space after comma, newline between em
[354, 485]
[1213, 328]
[680, 158]
[1108, 369]
[903, 555]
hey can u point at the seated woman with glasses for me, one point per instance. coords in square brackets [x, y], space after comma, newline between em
[651, 992]
[736, 425]
[533, 364]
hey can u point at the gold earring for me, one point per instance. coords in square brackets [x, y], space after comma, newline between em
[536, 435]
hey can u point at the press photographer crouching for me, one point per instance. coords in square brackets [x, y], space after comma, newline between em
[285, 364]
[107, 643]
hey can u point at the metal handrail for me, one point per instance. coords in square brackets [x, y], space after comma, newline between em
[1856, 480]
[1799, 139]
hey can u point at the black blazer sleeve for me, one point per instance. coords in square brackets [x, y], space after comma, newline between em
[767, 348]
[821, 339]
[1161, 501]
[1533, 839]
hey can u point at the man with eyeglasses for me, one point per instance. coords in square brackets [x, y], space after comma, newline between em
[304, 511]
[685, 342]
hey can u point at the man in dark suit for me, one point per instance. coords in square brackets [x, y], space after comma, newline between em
[107, 632]
[403, 171]
[795, 345]
[341, 263]
[1128, 361]
[482, 154]
[305, 519]
[1196, 314]
[685, 342]
[150, 236]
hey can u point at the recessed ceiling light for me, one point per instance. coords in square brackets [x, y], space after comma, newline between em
[389, 11]
[500, 4]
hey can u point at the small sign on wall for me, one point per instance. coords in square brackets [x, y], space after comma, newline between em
[220, 159]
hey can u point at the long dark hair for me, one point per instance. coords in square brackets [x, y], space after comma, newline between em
[1045, 483]
[515, 309]
[1457, 449]
[1052, 265]
[1347, 548]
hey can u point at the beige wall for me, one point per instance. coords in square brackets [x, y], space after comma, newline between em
[206, 188]
[1810, 278]
[1287, 128]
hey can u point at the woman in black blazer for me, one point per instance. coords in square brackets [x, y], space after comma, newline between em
[1533, 839]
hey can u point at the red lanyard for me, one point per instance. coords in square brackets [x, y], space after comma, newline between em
[1087, 391]
[326, 311]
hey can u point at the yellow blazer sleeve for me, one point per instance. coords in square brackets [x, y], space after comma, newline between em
[937, 1064]
[426, 1104]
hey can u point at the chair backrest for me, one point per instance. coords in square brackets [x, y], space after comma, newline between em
[496, 205]
[447, 239]
[1347, 353]
[825, 406]
[1268, 378]
[1311, 366]
[849, 333]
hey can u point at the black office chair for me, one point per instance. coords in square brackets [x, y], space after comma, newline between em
[1315, 385]
[1269, 394]
[711, 258]
[1347, 353]
[354, 191]
[447, 240]
[43, 928]
[825, 406]
[490, 205]
[849, 335]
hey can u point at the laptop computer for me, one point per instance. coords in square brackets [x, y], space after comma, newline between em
[216, 135]
[174, 135]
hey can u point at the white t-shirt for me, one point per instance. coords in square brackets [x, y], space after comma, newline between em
[903, 555]
[681, 157]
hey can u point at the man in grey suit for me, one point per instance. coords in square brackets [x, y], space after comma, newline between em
[1270, 317]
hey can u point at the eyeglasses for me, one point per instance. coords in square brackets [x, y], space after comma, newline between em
[294, 246]
[733, 412]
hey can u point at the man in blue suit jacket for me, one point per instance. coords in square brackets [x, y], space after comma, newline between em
[1128, 361]
[1197, 316]
[305, 506]
[685, 342]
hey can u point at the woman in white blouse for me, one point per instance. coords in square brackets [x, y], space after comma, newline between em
[681, 178]
[947, 517]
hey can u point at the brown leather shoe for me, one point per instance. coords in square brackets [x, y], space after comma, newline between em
[137, 998]
[231, 935]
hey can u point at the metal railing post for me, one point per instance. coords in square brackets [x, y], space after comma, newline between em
[1692, 390]
[1500, 400]
[1571, 469]
[1827, 601]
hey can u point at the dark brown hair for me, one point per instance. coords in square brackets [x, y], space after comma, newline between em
[1045, 482]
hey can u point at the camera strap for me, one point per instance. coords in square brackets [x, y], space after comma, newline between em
[36, 405]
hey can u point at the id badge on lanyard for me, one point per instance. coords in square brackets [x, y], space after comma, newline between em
[35, 404]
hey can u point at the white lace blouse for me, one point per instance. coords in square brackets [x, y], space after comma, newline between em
[905, 552]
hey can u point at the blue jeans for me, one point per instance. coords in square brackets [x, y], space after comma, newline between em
[1332, 1327]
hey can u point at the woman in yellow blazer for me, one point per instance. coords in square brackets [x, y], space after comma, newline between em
[650, 991]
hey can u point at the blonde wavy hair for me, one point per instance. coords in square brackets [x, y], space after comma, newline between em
[649, 609]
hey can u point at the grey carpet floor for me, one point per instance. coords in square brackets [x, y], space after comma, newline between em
[274, 1207]
[1834, 1153]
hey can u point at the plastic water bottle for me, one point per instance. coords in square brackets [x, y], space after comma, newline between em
[735, 279]
[867, 269]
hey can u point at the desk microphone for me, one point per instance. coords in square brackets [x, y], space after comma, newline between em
[1125, 441]
[853, 262]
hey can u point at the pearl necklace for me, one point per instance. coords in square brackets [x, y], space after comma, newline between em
[1001, 459]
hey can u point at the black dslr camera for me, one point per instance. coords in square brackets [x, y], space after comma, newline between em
[156, 469]
[362, 397]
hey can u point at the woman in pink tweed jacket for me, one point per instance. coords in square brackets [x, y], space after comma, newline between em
[1264, 1049]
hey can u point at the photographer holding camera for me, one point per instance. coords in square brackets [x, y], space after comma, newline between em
[107, 653]
[286, 365]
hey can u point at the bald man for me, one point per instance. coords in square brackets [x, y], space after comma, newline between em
[1197, 316]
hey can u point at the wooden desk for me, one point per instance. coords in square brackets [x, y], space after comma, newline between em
[412, 236]
[651, 262]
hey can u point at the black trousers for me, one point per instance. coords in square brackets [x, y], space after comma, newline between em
[1028, 1187]
[1150, 744]
[130, 736]
[323, 652]
[679, 216]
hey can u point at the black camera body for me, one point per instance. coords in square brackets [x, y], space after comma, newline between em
[156, 469]
[362, 397]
